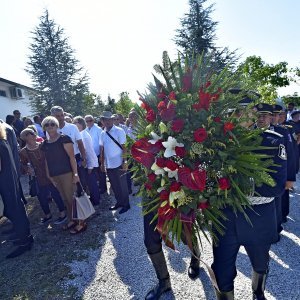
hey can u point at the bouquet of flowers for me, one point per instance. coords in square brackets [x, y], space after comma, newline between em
[192, 156]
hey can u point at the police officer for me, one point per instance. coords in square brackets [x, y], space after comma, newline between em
[153, 243]
[258, 235]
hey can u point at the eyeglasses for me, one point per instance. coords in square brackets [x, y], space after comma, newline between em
[89, 121]
[50, 124]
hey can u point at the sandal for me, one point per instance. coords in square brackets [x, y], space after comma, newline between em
[79, 228]
[70, 225]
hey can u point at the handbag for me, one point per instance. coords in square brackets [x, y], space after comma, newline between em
[82, 207]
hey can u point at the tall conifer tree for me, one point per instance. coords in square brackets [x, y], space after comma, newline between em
[55, 72]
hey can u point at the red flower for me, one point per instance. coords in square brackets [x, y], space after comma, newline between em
[161, 162]
[161, 95]
[203, 205]
[217, 119]
[206, 98]
[166, 212]
[148, 186]
[158, 145]
[177, 125]
[180, 151]
[228, 126]
[200, 135]
[171, 165]
[175, 186]
[172, 96]
[145, 106]
[161, 105]
[168, 113]
[224, 183]
[194, 180]
[164, 195]
[187, 81]
[152, 177]
[150, 116]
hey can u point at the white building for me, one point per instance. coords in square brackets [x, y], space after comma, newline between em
[14, 96]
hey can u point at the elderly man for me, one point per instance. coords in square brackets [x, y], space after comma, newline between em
[112, 145]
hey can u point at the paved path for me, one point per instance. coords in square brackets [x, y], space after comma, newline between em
[120, 268]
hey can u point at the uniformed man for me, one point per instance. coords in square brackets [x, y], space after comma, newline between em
[258, 236]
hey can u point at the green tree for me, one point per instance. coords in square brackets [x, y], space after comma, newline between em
[295, 98]
[124, 105]
[54, 70]
[93, 105]
[263, 77]
[197, 34]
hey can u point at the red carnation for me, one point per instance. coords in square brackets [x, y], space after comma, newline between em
[203, 205]
[150, 116]
[175, 186]
[228, 126]
[172, 96]
[200, 135]
[168, 113]
[171, 165]
[161, 105]
[152, 177]
[164, 195]
[180, 151]
[161, 162]
[224, 183]
[148, 186]
[177, 125]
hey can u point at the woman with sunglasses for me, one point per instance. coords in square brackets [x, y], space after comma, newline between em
[33, 164]
[61, 167]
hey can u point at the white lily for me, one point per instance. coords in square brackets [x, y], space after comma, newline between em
[170, 145]
[176, 195]
[171, 173]
[155, 138]
[157, 170]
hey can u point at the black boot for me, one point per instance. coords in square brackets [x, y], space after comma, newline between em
[23, 246]
[194, 268]
[258, 285]
[161, 270]
[224, 295]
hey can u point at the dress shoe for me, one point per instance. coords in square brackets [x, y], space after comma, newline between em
[123, 210]
[115, 207]
[193, 271]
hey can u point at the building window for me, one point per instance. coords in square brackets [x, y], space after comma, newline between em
[3, 93]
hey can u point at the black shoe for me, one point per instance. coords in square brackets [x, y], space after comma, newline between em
[163, 286]
[21, 249]
[115, 207]
[123, 210]
[193, 271]
[45, 220]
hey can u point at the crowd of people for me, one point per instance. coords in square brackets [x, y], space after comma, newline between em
[60, 151]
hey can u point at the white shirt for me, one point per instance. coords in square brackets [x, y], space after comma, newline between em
[95, 132]
[91, 157]
[72, 131]
[112, 152]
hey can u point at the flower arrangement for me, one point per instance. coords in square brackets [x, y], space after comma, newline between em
[192, 157]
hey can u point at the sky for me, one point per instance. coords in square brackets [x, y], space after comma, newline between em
[118, 42]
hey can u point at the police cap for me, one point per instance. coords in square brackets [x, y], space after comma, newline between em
[277, 109]
[264, 108]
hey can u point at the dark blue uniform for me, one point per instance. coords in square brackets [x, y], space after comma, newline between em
[258, 236]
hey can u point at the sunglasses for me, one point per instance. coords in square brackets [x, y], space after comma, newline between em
[50, 124]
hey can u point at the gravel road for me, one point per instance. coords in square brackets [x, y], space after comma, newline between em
[120, 268]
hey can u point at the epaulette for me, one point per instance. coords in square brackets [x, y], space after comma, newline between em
[273, 132]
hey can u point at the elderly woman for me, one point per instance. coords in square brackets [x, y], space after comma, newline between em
[33, 163]
[88, 175]
[61, 168]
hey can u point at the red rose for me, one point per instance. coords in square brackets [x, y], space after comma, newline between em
[161, 162]
[150, 116]
[152, 177]
[172, 96]
[228, 126]
[217, 119]
[177, 125]
[164, 195]
[180, 151]
[224, 183]
[200, 135]
[175, 186]
[171, 165]
[161, 105]
[168, 113]
[148, 186]
[203, 205]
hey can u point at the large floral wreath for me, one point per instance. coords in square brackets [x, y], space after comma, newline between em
[192, 157]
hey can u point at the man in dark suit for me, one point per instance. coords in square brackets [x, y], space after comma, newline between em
[258, 236]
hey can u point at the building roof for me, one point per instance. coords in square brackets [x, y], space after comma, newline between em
[16, 84]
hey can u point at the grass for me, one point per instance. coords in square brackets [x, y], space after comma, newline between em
[39, 273]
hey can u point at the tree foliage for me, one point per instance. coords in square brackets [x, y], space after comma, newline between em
[264, 77]
[124, 105]
[54, 70]
[197, 34]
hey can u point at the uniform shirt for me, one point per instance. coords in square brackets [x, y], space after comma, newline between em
[112, 152]
[91, 157]
[72, 131]
[95, 132]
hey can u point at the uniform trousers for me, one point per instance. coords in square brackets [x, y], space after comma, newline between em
[152, 238]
